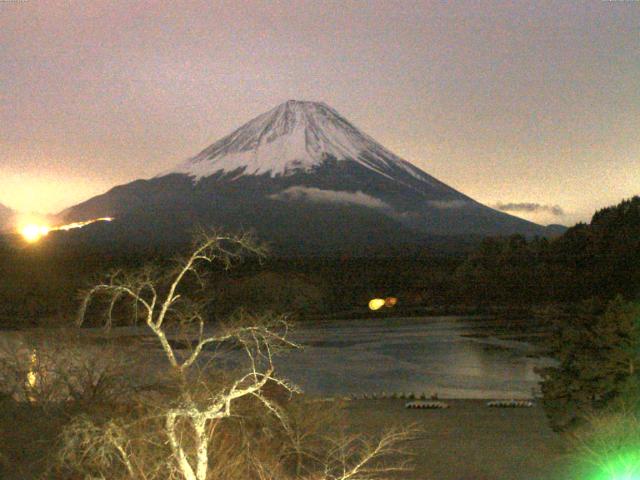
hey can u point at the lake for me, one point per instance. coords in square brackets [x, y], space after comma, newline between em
[453, 357]
[411, 355]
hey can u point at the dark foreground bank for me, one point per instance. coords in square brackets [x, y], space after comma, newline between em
[469, 441]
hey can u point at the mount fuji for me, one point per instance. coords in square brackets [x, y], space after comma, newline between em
[305, 179]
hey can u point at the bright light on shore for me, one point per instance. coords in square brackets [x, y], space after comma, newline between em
[32, 376]
[33, 232]
[376, 304]
[71, 226]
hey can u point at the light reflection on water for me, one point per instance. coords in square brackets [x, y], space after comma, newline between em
[419, 355]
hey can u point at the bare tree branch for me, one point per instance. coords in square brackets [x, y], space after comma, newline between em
[189, 419]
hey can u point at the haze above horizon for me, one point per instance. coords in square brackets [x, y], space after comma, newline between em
[533, 107]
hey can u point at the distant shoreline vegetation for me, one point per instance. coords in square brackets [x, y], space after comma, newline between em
[513, 275]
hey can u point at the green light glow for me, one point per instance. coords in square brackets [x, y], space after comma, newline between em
[623, 466]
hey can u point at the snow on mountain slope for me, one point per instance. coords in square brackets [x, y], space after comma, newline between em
[294, 136]
[300, 176]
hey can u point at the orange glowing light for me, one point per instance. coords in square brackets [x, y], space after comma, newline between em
[390, 302]
[33, 232]
[71, 226]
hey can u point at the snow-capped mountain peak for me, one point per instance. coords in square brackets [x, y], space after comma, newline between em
[294, 136]
[304, 178]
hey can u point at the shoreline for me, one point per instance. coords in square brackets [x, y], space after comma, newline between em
[504, 314]
[514, 312]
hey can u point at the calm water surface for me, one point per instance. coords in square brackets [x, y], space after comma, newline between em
[402, 355]
[417, 355]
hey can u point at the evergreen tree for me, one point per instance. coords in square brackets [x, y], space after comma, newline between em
[598, 354]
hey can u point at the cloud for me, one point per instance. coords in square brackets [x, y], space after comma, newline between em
[530, 207]
[312, 194]
[447, 204]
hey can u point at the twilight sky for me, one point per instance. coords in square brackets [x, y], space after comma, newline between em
[533, 106]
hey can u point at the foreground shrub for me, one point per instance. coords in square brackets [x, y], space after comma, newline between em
[607, 447]
[49, 366]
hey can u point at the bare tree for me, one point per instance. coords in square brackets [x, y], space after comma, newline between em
[159, 308]
[191, 418]
[44, 367]
[355, 457]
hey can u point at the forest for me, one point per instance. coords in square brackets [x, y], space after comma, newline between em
[598, 260]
